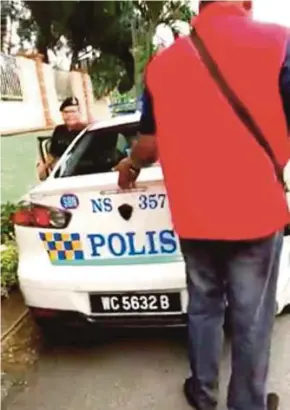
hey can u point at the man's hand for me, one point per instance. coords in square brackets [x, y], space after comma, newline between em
[44, 168]
[144, 153]
[127, 174]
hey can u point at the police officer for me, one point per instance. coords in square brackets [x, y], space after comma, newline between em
[63, 134]
[227, 202]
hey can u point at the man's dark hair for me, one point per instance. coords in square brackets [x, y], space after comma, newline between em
[203, 4]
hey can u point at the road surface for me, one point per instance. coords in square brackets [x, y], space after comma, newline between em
[135, 371]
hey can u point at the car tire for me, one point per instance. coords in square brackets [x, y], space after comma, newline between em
[61, 334]
[50, 333]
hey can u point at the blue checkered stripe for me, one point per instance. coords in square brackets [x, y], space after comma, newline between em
[62, 246]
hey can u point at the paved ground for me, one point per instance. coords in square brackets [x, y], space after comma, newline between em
[134, 371]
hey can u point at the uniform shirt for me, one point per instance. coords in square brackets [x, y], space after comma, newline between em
[148, 125]
[62, 138]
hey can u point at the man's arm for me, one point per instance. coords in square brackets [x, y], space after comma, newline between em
[285, 85]
[52, 156]
[285, 94]
[145, 152]
[53, 149]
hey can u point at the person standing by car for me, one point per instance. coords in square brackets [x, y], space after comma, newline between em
[226, 197]
[63, 134]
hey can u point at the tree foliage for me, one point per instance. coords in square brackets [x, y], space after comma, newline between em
[7, 226]
[10, 10]
[106, 73]
[120, 30]
[9, 263]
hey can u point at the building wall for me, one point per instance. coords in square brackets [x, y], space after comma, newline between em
[52, 98]
[34, 111]
[28, 113]
[98, 109]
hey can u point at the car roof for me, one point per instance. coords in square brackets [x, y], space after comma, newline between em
[115, 121]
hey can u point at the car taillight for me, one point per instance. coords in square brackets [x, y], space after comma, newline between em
[40, 216]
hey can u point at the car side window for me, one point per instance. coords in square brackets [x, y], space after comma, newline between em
[98, 151]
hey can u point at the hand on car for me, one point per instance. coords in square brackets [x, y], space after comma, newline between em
[127, 174]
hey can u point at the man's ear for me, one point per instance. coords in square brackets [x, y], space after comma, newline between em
[248, 5]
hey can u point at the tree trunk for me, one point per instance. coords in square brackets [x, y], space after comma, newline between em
[135, 55]
[74, 60]
[43, 49]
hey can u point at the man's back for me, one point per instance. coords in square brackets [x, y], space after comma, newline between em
[228, 207]
[227, 178]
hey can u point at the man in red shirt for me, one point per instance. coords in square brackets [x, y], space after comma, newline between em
[227, 204]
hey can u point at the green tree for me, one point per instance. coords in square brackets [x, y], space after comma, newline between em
[47, 21]
[148, 15]
[120, 30]
[107, 73]
[9, 14]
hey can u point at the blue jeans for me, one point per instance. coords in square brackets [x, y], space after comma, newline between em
[243, 273]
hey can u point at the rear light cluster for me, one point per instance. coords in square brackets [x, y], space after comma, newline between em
[40, 216]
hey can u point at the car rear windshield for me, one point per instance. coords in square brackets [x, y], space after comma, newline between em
[98, 151]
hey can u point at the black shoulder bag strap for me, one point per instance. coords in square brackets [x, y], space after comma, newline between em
[239, 108]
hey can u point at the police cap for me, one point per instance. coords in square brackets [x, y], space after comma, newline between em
[69, 102]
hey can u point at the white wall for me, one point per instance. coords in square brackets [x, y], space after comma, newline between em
[53, 101]
[99, 109]
[26, 114]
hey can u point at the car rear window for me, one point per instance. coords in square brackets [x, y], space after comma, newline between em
[98, 151]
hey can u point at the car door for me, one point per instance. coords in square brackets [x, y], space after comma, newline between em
[43, 144]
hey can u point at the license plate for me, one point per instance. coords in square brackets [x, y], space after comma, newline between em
[135, 303]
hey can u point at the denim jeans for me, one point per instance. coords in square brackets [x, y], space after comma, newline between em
[244, 275]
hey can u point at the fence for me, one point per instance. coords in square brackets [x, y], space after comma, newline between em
[63, 86]
[10, 79]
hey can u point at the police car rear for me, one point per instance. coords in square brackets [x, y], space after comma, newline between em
[89, 252]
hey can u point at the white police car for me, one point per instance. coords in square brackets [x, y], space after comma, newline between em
[89, 252]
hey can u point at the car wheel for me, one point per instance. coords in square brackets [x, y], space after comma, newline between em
[62, 334]
[51, 333]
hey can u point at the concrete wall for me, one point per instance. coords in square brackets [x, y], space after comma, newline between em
[28, 113]
[99, 109]
[36, 112]
[53, 101]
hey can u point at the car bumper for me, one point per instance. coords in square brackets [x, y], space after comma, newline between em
[72, 319]
[68, 289]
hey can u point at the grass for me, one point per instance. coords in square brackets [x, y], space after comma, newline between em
[19, 154]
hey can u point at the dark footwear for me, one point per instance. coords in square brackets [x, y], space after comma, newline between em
[188, 392]
[188, 389]
[272, 401]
